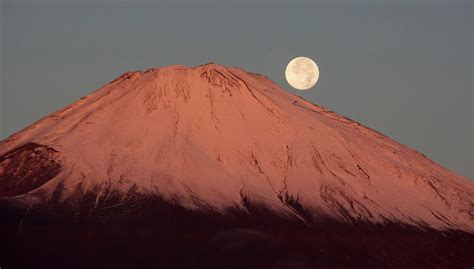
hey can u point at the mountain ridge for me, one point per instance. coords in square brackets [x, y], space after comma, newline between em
[214, 138]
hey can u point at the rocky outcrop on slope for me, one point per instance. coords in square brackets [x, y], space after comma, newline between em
[27, 168]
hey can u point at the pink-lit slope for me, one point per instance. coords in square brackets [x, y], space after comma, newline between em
[214, 138]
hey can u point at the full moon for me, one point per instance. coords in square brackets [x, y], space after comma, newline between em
[302, 73]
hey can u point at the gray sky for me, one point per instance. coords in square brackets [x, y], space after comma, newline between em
[403, 68]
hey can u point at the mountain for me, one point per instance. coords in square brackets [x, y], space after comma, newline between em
[221, 141]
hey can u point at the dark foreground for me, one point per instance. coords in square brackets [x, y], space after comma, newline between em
[171, 237]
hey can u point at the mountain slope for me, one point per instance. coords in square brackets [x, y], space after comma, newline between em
[215, 138]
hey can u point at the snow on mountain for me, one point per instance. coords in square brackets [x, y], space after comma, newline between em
[214, 138]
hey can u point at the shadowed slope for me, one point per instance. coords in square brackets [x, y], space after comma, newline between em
[153, 233]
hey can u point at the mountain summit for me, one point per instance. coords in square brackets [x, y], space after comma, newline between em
[219, 139]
